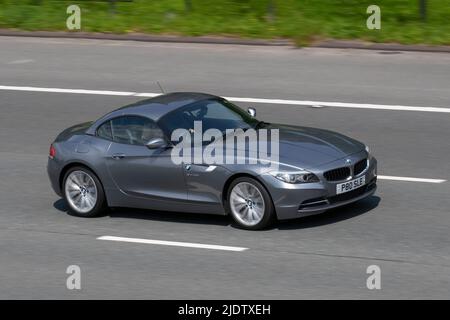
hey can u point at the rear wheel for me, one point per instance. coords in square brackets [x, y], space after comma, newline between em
[250, 204]
[83, 192]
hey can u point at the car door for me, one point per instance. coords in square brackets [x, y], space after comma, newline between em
[140, 172]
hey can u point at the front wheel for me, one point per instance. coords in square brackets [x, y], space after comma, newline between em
[83, 192]
[250, 204]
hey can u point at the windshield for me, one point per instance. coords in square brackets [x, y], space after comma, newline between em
[213, 114]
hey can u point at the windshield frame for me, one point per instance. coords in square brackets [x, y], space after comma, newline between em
[246, 117]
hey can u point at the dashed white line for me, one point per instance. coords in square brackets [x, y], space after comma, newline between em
[411, 179]
[173, 243]
[239, 99]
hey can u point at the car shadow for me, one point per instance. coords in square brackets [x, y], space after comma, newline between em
[154, 215]
[329, 217]
[180, 217]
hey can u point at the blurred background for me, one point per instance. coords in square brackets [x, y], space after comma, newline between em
[303, 21]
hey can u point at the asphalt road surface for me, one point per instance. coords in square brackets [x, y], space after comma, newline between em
[404, 229]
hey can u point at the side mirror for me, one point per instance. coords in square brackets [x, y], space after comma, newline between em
[156, 143]
[252, 112]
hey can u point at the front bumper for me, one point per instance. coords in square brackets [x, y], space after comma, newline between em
[300, 200]
[324, 204]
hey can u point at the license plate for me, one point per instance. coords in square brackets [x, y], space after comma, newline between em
[350, 185]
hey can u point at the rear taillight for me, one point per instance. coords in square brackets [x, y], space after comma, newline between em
[52, 152]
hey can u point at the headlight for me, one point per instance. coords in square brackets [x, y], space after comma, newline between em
[295, 177]
[368, 149]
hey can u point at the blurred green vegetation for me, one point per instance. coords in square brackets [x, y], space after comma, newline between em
[300, 20]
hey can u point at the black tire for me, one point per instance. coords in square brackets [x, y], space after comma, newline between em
[269, 215]
[100, 204]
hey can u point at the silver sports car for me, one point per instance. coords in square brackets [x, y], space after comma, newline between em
[140, 156]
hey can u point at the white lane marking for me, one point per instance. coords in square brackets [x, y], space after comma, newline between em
[147, 94]
[410, 179]
[238, 99]
[173, 243]
[21, 61]
[59, 90]
[340, 104]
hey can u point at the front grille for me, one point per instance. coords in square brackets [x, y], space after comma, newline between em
[337, 174]
[344, 172]
[359, 167]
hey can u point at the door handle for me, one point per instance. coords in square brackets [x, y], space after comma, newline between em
[118, 156]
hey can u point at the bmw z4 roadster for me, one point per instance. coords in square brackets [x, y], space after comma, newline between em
[129, 158]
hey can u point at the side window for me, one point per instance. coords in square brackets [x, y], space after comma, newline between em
[134, 130]
[104, 131]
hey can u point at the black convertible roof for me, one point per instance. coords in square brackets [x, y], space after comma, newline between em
[158, 106]
[155, 108]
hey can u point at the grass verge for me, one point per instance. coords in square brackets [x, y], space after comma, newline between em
[300, 20]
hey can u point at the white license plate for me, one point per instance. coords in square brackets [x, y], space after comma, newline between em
[350, 185]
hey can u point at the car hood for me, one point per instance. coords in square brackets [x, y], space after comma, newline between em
[305, 147]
